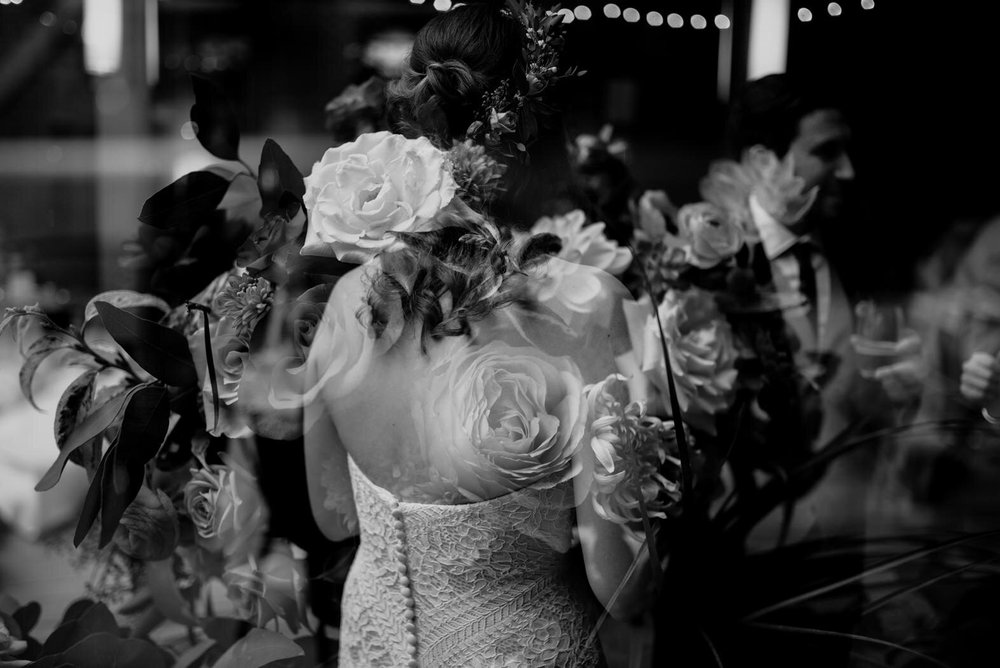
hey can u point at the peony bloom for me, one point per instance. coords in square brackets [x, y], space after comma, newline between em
[226, 508]
[630, 450]
[149, 530]
[712, 236]
[702, 352]
[515, 414]
[244, 301]
[584, 244]
[361, 192]
[479, 177]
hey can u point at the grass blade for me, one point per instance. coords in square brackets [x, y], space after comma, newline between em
[781, 628]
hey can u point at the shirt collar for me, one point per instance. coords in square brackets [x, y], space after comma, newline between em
[775, 238]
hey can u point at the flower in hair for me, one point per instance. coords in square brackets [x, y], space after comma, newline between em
[507, 120]
[363, 192]
[478, 176]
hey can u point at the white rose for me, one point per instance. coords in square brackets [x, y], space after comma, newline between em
[516, 415]
[713, 236]
[584, 244]
[362, 191]
[702, 352]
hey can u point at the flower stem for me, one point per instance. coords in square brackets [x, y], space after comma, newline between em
[210, 361]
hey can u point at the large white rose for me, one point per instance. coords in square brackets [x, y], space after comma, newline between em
[361, 191]
[510, 417]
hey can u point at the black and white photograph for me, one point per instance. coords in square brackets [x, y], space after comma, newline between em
[499, 334]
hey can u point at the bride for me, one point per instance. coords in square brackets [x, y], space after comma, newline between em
[452, 385]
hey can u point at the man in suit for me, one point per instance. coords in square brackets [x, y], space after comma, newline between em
[779, 115]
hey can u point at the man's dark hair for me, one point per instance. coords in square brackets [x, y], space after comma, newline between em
[767, 111]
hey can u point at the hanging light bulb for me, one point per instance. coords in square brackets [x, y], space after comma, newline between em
[805, 15]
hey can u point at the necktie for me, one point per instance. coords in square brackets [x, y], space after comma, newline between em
[803, 253]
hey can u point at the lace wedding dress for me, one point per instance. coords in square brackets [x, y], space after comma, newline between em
[477, 584]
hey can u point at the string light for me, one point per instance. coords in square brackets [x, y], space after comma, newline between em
[416, 2]
[567, 14]
[583, 12]
[698, 22]
[722, 22]
[612, 11]
[654, 19]
[834, 9]
[675, 21]
[442, 5]
[867, 4]
[805, 15]
[631, 15]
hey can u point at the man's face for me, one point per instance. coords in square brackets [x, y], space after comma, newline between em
[820, 151]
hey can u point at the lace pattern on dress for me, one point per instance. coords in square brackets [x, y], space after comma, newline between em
[477, 584]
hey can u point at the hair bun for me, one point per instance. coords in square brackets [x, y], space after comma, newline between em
[453, 79]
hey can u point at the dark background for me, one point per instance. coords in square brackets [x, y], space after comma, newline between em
[917, 79]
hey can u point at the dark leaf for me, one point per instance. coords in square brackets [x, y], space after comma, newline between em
[125, 299]
[76, 609]
[95, 618]
[190, 199]
[92, 426]
[74, 404]
[37, 353]
[27, 616]
[259, 648]
[277, 177]
[92, 502]
[193, 656]
[108, 650]
[161, 351]
[214, 120]
[226, 630]
[143, 427]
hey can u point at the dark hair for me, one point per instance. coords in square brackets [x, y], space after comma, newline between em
[448, 278]
[767, 111]
[457, 57]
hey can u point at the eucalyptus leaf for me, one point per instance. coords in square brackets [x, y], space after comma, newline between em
[214, 120]
[93, 425]
[73, 406]
[192, 198]
[161, 351]
[37, 353]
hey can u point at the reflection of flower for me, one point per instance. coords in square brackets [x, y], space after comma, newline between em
[776, 187]
[149, 529]
[584, 244]
[230, 356]
[712, 235]
[358, 109]
[651, 212]
[629, 451]
[261, 592]
[244, 301]
[521, 410]
[728, 185]
[9, 645]
[702, 351]
[226, 508]
[361, 192]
